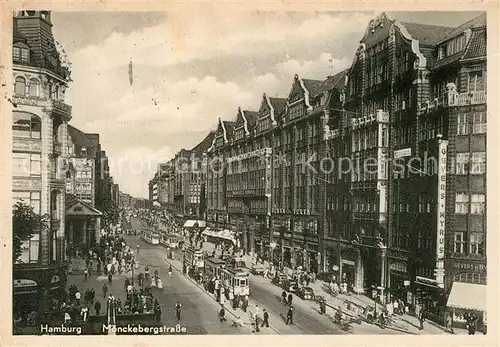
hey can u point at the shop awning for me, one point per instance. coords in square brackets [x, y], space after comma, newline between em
[191, 223]
[467, 296]
[220, 233]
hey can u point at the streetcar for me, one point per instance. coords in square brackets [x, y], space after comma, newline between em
[170, 241]
[150, 236]
[213, 266]
[235, 278]
[194, 257]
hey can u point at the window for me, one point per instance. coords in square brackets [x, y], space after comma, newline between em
[20, 86]
[24, 55]
[34, 87]
[29, 250]
[83, 151]
[26, 125]
[26, 164]
[462, 165]
[28, 198]
[477, 203]
[476, 243]
[479, 123]
[459, 244]
[478, 163]
[16, 53]
[461, 203]
[462, 128]
[475, 81]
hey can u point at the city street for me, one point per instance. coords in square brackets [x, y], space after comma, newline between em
[262, 293]
[199, 311]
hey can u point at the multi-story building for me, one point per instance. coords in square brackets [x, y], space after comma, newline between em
[40, 118]
[80, 176]
[115, 194]
[416, 100]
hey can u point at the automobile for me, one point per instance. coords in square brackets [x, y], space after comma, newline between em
[278, 279]
[306, 293]
[290, 285]
[257, 269]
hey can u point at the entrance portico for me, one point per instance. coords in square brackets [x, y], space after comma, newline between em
[83, 224]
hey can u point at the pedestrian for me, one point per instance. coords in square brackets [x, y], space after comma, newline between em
[97, 307]
[104, 289]
[170, 270]
[290, 297]
[222, 314]
[77, 297]
[283, 296]
[449, 323]
[85, 274]
[289, 316]
[157, 310]
[110, 278]
[421, 319]
[178, 308]
[265, 321]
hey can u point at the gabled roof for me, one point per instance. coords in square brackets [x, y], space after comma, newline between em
[79, 137]
[229, 125]
[427, 34]
[477, 45]
[278, 104]
[313, 86]
[77, 207]
[478, 22]
[205, 144]
[333, 82]
[251, 118]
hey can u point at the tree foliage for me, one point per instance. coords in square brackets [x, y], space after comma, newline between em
[109, 211]
[25, 223]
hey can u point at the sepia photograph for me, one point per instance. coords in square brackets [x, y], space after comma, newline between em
[263, 173]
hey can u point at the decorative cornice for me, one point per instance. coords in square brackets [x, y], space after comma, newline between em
[245, 121]
[224, 132]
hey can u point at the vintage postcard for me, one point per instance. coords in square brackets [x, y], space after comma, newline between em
[215, 170]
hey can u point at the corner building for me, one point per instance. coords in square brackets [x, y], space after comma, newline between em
[415, 99]
[40, 154]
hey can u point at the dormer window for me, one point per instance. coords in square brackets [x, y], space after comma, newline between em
[20, 54]
[83, 151]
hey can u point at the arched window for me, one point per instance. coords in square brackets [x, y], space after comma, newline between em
[20, 87]
[68, 174]
[50, 90]
[34, 87]
[57, 93]
[26, 125]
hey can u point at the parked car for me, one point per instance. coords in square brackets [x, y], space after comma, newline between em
[278, 280]
[290, 285]
[306, 293]
[257, 269]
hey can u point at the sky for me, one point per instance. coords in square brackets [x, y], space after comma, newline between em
[190, 70]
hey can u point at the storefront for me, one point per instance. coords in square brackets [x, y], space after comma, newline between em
[430, 298]
[398, 279]
[466, 298]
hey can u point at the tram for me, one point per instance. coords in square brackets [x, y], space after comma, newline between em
[170, 241]
[235, 278]
[194, 257]
[150, 236]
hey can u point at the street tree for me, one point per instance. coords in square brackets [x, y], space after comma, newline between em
[25, 223]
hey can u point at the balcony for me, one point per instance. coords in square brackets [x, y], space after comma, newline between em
[62, 109]
[453, 99]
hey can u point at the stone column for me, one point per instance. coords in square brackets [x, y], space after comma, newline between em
[84, 231]
[97, 230]
[359, 274]
[383, 274]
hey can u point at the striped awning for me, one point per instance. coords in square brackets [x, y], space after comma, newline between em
[467, 296]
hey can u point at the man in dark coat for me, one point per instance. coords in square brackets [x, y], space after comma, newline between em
[290, 297]
[97, 307]
[222, 314]
[265, 322]
[289, 316]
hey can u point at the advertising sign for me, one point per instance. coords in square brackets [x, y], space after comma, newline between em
[441, 211]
